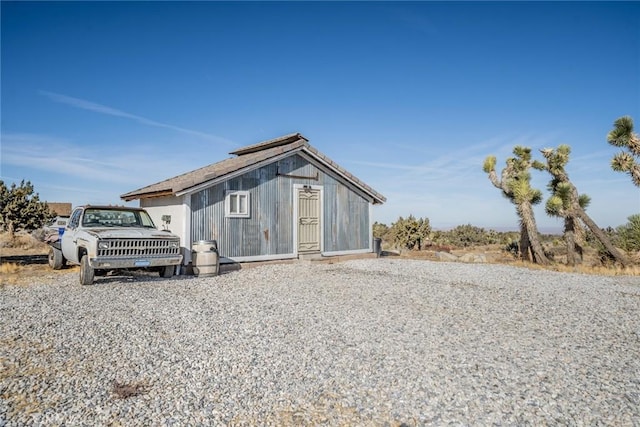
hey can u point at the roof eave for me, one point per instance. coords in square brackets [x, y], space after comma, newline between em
[128, 197]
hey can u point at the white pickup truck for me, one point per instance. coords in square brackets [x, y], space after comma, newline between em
[105, 238]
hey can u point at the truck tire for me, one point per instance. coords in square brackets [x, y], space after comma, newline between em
[86, 272]
[56, 259]
[167, 271]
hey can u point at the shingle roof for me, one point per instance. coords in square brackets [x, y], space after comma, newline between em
[246, 158]
[59, 208]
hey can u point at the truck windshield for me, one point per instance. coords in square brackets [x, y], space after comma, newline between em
[116, 218]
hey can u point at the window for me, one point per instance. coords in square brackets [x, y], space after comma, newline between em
[75, 218]
[236, 204]
[113, 217]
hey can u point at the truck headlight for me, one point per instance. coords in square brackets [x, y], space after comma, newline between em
[174, 244]
[103, 245]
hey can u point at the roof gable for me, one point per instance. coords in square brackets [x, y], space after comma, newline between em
[276, 142]
[246, 158]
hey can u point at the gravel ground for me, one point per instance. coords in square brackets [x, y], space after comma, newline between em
[364, 342]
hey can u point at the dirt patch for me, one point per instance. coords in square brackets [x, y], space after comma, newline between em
[24, 260]
[16, 274]
[127, 390]
[492, 253]
[22, 244]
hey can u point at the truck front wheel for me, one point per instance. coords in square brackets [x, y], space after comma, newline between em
[56, 259]
[167, 271]
[86, 272]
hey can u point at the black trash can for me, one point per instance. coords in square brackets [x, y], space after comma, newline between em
[377, 246]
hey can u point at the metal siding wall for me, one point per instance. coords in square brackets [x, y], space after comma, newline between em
[360, 221]
[331, 208]
[207, 213]
[348, 214]
[269, 230]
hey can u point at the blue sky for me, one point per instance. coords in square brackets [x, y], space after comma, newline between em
[100, 98]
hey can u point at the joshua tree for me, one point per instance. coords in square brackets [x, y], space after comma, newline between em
[623, 136]
[566, 202]
[515, 183]
[560, 202]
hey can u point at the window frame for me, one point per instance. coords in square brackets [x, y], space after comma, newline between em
[227, 204]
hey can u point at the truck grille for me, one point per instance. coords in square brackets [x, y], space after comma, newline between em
[139, 248]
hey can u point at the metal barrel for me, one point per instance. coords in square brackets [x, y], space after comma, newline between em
[205, 258]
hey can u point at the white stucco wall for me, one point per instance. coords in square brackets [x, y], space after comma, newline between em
[179, 210]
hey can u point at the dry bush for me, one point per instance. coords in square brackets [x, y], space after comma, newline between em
[22, 241]
[600, 270]
[9, 273]
[596, 269]
[9, 268]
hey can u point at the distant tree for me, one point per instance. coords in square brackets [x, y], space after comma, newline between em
[410, 232]
[629, 234]
[380, 230]
[21, 208]
[623, 136]
[515, 183]
[566, 202]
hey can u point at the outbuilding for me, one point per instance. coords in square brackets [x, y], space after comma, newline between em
[277, 199]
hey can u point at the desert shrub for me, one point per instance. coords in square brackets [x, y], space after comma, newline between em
[628, 235]
[513, 248]
[21, 240]
[410, 233]
[591, 239]
[467, 235]
[9, 268]
[507, 237]
[380, 231]
[604, 257]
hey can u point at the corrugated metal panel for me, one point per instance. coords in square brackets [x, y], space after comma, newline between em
[346, 218]
[207, 213]
[269, 229]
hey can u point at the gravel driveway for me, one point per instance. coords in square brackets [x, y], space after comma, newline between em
[365, 342]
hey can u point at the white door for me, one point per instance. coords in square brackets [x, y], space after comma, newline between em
[308, 220]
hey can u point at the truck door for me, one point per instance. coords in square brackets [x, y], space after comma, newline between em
[68, 240]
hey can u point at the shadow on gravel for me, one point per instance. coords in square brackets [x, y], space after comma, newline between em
[129, 277]
[141, 276]
[389, 253]
[25, 259]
